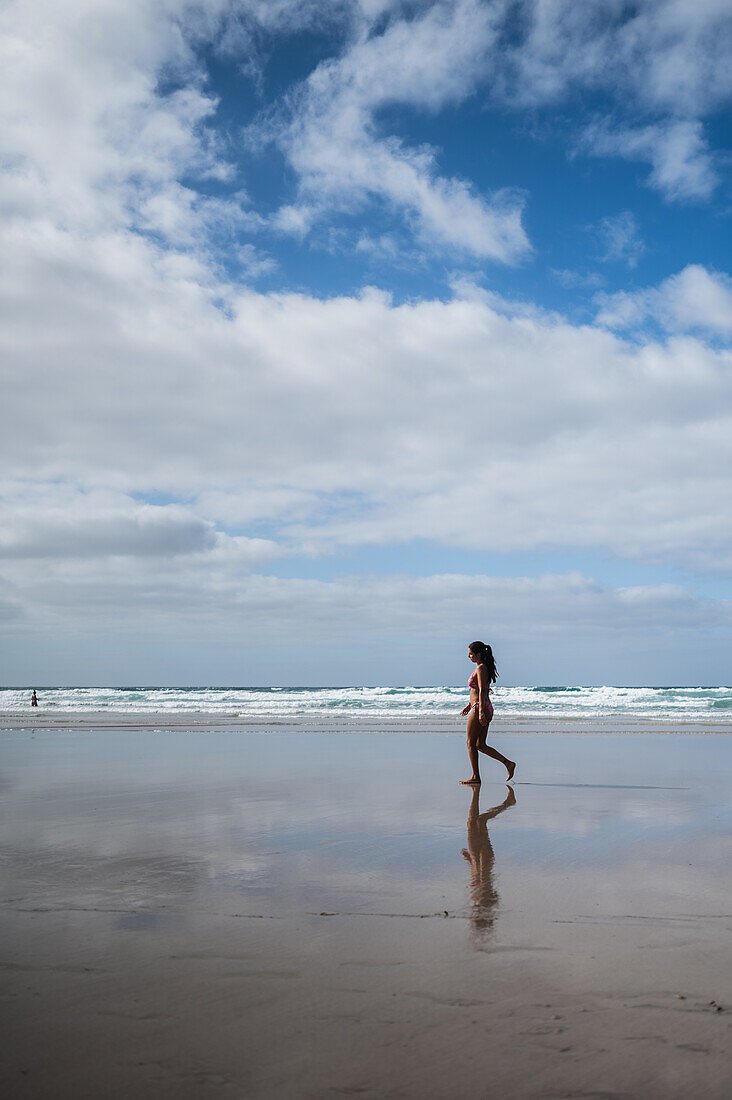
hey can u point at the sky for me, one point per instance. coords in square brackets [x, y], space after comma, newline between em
[337, 334]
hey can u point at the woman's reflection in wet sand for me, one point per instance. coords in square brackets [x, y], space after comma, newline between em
[479, 854]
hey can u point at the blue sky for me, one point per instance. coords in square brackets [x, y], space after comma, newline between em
[338, 334]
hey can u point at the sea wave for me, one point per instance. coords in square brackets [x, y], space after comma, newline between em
[548, 701]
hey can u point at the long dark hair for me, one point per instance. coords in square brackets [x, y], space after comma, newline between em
[480, 649]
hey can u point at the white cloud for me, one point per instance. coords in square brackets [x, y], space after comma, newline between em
[104, 115]
[572, 279]
[223, 599]
[664, 63]
[333, 141]
[52, 532]
[93, 134]
[619, 236]
[88, 122]
[676, 53]
[131, 366]
[113, 619]
[353, 420]
[294, 219]
[682, 165]
[75, 563]
[693, 299]
[670, 56]
[63, 522]
[253, 261]
[87, 132]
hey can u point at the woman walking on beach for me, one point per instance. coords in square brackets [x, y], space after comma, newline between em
[480, 710]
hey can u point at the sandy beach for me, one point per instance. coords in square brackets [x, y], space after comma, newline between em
[197, 907]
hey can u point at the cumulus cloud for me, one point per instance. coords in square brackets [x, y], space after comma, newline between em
[670, 56]
[55, 533]
[86, 129]
[567, 628]
[664, 64]
[251, 606]
[331, 423]
[109, 116]
[682, 165]
[333, 142]
[61, 521]
[693, 299]
[287, 423]
[354, 420]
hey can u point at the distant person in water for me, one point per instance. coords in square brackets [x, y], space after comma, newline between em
[480, 710]
[34, 699]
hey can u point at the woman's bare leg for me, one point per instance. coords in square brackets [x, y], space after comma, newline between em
[473, 736]
[509, 765]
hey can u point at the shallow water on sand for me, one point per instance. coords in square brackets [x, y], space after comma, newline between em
[297, 916]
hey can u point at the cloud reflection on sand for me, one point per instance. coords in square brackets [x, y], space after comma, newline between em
[297, 824]
[343, 896]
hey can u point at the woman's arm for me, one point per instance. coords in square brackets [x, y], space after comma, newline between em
[483, 690]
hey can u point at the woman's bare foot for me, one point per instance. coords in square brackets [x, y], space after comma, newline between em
[470, 782]
[511, 768]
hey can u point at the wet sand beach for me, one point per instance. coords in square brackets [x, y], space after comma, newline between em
[198, 907]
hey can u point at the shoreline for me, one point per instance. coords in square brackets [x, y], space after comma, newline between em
[71, 720]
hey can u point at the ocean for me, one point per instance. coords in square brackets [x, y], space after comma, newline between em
[697, 704]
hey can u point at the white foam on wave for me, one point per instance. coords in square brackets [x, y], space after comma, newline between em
[693, 703]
